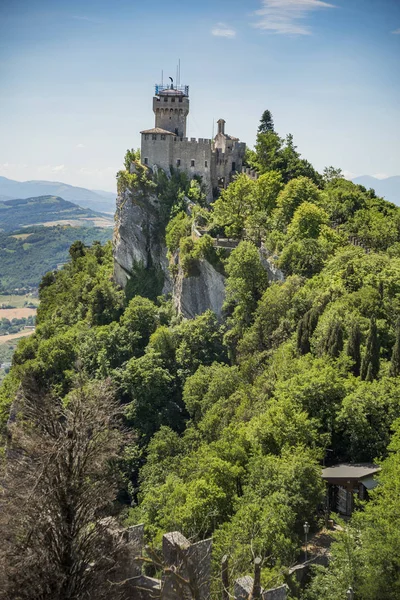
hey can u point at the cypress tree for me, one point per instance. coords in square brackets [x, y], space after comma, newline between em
[305, 330]
[303, 343]
[370, 362]
[334, 339]
[394, 370]
[354, 348]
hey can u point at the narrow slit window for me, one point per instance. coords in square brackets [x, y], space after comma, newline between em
[146, 161]
[178, 162]
[192, 163]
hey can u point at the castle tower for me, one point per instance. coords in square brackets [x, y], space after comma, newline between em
[171, 108]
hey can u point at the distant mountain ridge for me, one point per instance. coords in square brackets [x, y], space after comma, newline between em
[18, 213]
[388, 188]
[98, 200]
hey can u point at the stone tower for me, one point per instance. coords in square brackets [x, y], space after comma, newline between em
[171, 108]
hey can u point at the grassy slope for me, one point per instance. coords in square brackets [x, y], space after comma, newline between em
[15, 214]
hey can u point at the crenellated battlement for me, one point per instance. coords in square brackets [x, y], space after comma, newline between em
[193, 140]
[252, 173]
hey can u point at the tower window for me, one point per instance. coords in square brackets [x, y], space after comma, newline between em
[146, 161]
[172, 99]
[163, 137]
[180, 98]
[192, 163]
[206, 164]
[146, 137]
[154, 136]
[233, 166]
[178, 162]
[165, 99]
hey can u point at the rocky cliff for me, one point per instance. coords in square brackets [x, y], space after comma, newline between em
[137, 239]
[195, 294]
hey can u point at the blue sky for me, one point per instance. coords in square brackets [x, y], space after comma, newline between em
[76, 79]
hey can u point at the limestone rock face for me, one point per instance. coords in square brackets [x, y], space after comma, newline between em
[137, 239]
[274, 274]
[195, 294]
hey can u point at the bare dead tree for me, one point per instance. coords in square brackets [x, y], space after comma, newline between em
[57, 487]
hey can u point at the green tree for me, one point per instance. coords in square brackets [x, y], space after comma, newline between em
[370, 362]
[131, 156]
[395, 360]
[247, 280]
[304, 257]
[268, 150]
[292, 196]
[77, 250]
[177, 228]
[200, 343]
[235, 205]
[307, 221]
[137, 324]
[366, 418]
[305, 329]
[331, 173]
[266, 122]
[354, 348]
[150, 391]
[334, 339]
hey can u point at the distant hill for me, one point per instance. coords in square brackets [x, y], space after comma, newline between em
[15, 214]
[111, 196]
[96, 200]
[26, 255]
[387, 188]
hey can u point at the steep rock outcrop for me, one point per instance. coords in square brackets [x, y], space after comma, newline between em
[195, 294]
[137, 239]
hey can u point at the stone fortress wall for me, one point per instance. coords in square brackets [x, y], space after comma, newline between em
[166, 145]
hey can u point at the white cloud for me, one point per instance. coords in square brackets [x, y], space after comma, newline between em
[286, 16]
[396, 31]
[58, 168]
[222, 30]
[381, 176]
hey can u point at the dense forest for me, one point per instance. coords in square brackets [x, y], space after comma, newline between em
[27, 254]
[226, 423]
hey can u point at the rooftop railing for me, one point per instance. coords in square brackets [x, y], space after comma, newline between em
[180, 89]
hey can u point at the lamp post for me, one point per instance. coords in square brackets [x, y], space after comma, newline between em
[306, 528]
[350, 594]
